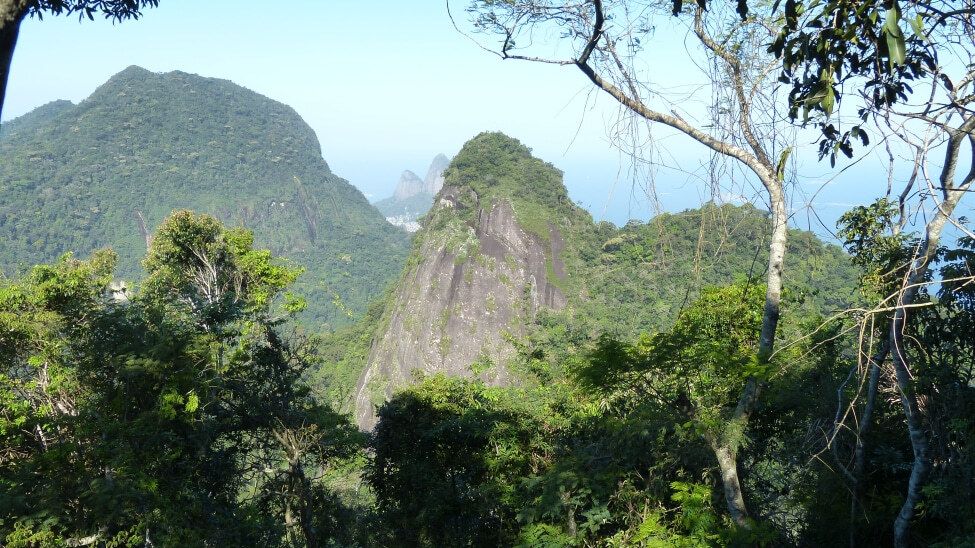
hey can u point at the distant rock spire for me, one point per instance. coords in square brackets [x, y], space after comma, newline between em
[434, 179]
[409, 185]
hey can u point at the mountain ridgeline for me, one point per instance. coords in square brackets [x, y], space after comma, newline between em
[504, 250]
[107, 171]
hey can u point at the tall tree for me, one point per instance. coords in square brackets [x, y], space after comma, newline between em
[605, 38]
[914, 62]
[174, 415]
[697, 369]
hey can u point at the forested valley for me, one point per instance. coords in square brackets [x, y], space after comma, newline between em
[208, 338]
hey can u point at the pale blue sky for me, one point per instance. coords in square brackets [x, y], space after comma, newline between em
[386, 85]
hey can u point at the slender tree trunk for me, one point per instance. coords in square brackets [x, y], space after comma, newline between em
[776, 266]
[866, 420]
[298, 498]
[952, 194]
[12, 12]
[726, 447]
[305, 519]
[728, 467]
[289, 521]
[915, 427]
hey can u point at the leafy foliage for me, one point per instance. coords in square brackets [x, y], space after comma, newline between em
[824, 45]
[549, 462]
[162, 416]
[643, 274]
[116, 10]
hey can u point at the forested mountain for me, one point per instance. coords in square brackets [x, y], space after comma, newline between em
[549, 381]
[105, 172]
[528, 377]
[505, 248]
[413, 197]
[580, 402]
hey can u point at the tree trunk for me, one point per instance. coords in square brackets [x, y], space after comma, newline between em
[728, 466]
[726, 449]
[915, 427]
[952, 194]
[776, 265]
[304, 513]
[866, 419]
[12, 12]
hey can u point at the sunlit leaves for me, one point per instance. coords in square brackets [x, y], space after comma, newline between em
[896, 47]
[840, 41]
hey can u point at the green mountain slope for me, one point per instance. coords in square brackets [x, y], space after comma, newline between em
[505, 252]
[108, 170]
[642, 274]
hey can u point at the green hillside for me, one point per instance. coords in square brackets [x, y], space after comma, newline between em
[637, 277]
[617, 281]
[643, 274]
[107, 171]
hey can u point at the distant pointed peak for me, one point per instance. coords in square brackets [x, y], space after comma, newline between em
[433, 182]
[497, 140]
[494, 165]
[129, 76]
[131, 71]
[408, 175]
[409, 185]
[135, 69]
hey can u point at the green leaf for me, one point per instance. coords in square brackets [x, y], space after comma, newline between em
[896, 48]
[783, 159]
[192, 402]
[917, 25]
[829, 101]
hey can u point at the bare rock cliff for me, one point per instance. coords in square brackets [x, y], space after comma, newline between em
[434, 180]
[469, 285]
[409, 185]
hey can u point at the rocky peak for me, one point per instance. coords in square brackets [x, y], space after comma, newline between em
[409, 185]
[434, 180]
[484, 264]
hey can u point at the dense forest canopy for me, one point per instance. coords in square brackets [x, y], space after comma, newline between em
[107, 171]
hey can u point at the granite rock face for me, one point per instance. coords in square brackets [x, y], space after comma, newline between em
[409, 185]
[469, 285]
[434, 180]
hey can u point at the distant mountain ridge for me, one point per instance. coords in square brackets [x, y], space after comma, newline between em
[412, 197]
[434, 180]
[107, 171]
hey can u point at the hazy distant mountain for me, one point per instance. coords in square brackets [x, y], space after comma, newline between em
[105, 172]
[433, 182]
[413, 197]
[409, 185]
